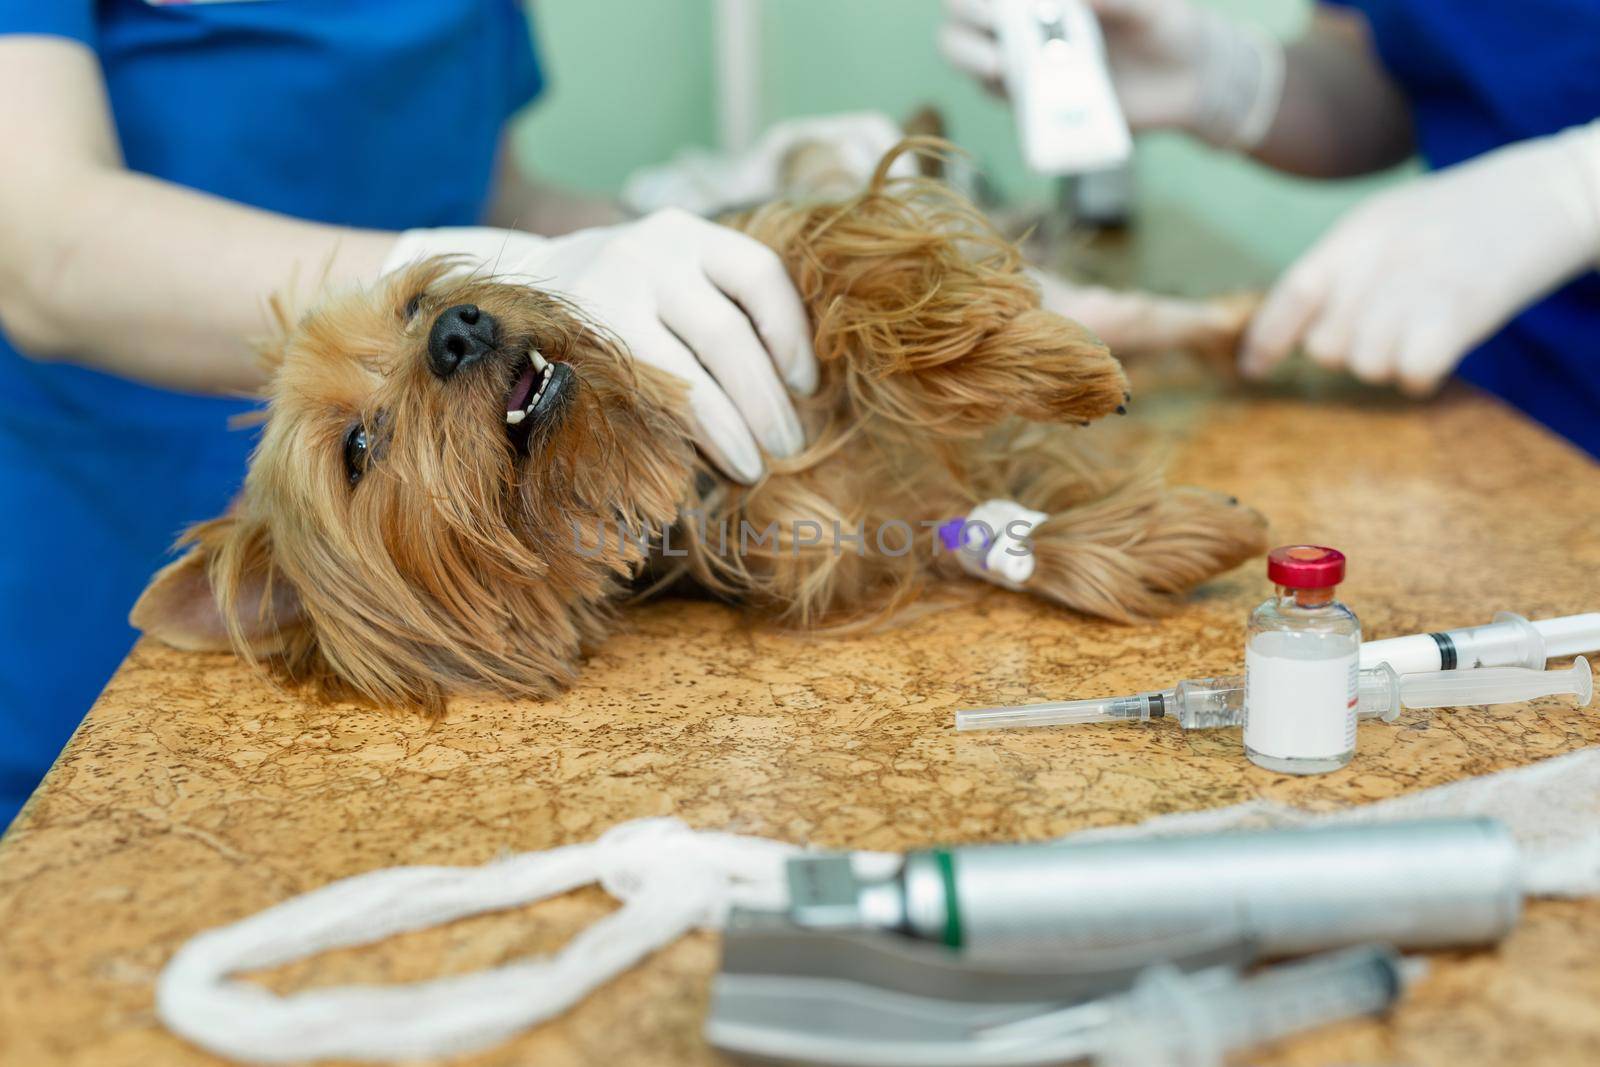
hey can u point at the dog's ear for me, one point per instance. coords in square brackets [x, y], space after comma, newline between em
[228, 569]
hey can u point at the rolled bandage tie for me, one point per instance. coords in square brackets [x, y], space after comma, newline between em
[991, 541]
[669, 878]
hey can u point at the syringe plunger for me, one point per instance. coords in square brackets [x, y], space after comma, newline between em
[1495, 685]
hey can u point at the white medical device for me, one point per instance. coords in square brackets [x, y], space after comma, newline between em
[1068, 118]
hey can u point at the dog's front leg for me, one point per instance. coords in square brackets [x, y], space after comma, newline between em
[1107, 541]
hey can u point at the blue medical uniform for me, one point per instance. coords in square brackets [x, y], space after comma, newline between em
[1480, 75]
[368, 113]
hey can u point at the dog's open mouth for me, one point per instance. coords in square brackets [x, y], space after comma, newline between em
[539, 390]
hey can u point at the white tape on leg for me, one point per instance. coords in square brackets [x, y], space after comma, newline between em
[993, 542]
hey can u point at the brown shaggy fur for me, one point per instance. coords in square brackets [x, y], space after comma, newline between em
[460, 562]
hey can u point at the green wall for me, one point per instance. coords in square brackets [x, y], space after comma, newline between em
[632, 81]
[628, 82]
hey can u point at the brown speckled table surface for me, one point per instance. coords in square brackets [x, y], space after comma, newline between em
[195, 794]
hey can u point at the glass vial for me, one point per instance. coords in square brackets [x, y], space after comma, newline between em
[1302, 668]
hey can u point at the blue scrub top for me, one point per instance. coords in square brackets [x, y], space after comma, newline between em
[369, 113]
[1479, 75]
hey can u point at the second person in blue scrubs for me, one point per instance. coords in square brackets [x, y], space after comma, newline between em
[1485, 267]
[169, 165]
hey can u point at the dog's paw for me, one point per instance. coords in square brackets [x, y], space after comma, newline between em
[1131, 555]
[1046, 368]
[1195, 534]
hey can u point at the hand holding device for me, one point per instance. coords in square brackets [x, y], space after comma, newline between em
[1173, 65]
[1055, 73]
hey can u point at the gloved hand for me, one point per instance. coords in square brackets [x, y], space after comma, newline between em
[707, 182]
[1411, 280]
[1173, 65]
[708, 304]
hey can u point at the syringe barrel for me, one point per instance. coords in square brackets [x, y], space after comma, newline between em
[1171, 1018]
[1293, 997]
[1284, 1000]
[1407, 655]
[1217, 703]
[1209, 703]
[1508, 641]
[1417, 884]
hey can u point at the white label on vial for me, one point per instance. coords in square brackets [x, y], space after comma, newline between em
[1300, 700]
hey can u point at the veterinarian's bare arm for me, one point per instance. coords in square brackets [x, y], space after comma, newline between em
[525, 201]
[1341, 114]
[126, 273]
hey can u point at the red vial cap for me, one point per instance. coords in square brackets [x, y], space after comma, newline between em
[1305, 566]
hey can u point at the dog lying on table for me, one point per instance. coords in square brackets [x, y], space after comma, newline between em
[459, 480]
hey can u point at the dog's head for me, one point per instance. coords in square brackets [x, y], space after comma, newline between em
[425, 512]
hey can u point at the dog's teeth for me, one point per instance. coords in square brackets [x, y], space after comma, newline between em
[539, 362]
[547, 371]
[514, 417]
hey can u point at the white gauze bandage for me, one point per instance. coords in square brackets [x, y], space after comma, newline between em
[992, 542]
[1552, 808]
[671, 879]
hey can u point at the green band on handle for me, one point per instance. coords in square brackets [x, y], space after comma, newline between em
[952, 909]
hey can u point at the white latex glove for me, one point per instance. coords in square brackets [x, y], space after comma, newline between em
[1174, 65]
[708, 304]
[1412, 279]
[708, 183]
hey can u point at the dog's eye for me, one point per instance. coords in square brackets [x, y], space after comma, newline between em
[413, 306]
[355, 452]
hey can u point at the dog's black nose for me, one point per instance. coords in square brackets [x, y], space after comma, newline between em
[459, 336]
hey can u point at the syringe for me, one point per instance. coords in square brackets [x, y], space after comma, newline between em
[1211, 703]
[1195, 1020]
[1170, 1019]
[1509, 641]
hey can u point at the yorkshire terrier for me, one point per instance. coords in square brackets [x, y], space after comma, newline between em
[405, 535]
